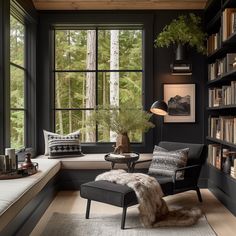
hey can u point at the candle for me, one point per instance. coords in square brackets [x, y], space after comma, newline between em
[12, 156]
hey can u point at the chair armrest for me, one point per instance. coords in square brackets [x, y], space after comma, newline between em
[138, 162]
[185, 168]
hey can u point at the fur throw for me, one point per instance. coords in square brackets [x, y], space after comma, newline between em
[153, 209]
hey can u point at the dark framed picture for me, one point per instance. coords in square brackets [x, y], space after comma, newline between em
[180, 99]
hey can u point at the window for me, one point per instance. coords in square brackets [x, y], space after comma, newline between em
[17, 83]
[95, 67]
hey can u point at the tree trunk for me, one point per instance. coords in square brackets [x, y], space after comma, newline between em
[90, 81]
[69, 86]
[114, 76]
[59, 112]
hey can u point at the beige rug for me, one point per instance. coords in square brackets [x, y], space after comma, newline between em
[61, 224]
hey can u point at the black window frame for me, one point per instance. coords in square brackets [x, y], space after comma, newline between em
[19, 11]
[48, 22]
[96, 71]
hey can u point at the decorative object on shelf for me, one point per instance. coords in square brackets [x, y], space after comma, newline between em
[182, 32]
[227, 165]
[180, 99]
[122, 120]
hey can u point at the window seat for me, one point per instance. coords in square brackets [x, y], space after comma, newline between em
[96, 162]
[16, 193]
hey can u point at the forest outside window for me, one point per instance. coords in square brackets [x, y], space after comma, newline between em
[96, 67]
[17, 83]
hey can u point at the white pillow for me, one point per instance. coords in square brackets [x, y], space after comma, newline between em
[47, 133]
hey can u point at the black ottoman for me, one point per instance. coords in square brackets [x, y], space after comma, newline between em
[110, 193]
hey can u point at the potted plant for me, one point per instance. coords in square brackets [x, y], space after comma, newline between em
[185, 30]
[122, 120]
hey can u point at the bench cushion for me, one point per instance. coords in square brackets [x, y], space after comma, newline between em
[16, 193]
[97, 161]
[107, 192]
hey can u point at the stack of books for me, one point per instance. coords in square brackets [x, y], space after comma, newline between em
[213, 42]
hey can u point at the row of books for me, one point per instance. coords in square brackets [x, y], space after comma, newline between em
[226, 95]
[214, 155]
[228, 27]
[228, 22]
[217, 158]
[222, 66]
[223, 128]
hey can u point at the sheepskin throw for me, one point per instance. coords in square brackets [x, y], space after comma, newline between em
[152, 207]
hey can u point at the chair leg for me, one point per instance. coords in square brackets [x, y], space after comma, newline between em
[88, 209]
[199, 194]
[123, 218]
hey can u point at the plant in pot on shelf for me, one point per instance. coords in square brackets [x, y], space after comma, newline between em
[122, 120]
[181, 32]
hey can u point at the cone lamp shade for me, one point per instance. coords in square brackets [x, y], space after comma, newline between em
[159, 108]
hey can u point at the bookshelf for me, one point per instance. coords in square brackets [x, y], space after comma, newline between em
[221, 99]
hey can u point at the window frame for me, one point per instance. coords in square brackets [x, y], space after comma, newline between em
[50, 20]
[96, 71]
[29, 20]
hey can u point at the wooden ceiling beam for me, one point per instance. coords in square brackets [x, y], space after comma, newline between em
[118, 4]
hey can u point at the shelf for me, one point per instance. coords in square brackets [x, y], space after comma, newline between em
[231, 39]
[221, 142]
[212, 26]
[221, 107]
[223, 78]
[221, 172]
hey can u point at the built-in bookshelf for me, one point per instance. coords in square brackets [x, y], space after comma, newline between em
[221, 86]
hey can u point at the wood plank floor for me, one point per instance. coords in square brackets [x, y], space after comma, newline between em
[221, 220]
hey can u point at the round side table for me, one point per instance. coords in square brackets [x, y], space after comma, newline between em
[124, 158]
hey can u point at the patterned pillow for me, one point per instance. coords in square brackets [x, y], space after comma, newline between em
[165, 162]
[64, 146]
[76, 134]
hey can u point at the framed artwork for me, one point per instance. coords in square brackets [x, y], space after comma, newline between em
[180, 99]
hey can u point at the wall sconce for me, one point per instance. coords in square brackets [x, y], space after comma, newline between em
[181, 66]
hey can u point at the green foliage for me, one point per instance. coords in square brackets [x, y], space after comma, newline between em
[123, 119]
[186, 29]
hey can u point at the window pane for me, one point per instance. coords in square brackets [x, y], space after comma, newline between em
[75, 90]
[129, 86]
[70, 121]
[17, 34]
[75, 49]
[17, 129]
[120, 49]
[16, 87]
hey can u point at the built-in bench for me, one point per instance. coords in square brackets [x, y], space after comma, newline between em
[24, 199]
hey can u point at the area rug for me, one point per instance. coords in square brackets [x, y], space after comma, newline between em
[61, 224]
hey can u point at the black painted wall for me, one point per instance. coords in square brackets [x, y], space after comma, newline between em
[180, 132]
[160, 60]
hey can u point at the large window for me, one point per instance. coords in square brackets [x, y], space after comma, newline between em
[17, 83]
[95, 67]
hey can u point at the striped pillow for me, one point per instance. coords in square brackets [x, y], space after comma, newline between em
[62, 146]
[165, 162]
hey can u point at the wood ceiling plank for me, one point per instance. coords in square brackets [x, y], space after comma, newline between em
[118, 4]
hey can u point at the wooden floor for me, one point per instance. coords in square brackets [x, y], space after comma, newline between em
[221, 220]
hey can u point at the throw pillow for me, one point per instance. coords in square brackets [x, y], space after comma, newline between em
[63, 146]
[165, 162]
[75, 134]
